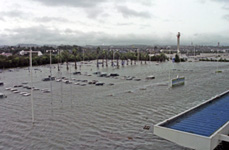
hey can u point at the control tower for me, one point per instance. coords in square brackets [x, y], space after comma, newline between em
[178, 43]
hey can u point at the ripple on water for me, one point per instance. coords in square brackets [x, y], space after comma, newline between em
[86, 118]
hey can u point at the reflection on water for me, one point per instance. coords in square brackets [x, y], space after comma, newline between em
[103, 117]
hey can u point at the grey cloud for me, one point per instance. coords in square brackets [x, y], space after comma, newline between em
[124, 24]
[38, 35]
[210, 39]
[93, 12]
[43, 35]
[196, 34]
[126, 39]
[225, 7]
[225, 1]
[144, 25]
[13, 14]
[202, 1]
[105, 15]
[220, 1]
[226, 17]
[68, 31]
[91, 7]
[2, 19]
[126, 12]
[50, 19]
[145, 2]
[142, 2]
[72, 3]
[88, 3]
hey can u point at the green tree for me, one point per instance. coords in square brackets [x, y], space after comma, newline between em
[117, 56]
[106, 56]
[97, 56]
[177, 58]
[66, 56]
[146, 57]
[103, 56]
[75, 51]
[122, 57]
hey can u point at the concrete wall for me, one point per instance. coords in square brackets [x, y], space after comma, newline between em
[190, 140]
[183, 138]
[215, 138]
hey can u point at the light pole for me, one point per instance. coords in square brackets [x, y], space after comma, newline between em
[50, 76]
[58, 60]
[31, 80]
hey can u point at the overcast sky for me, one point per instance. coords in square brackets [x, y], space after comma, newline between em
[96, 22]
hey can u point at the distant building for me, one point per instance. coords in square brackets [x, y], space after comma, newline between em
[182, 56]
[168, 51]
[6, 54]
[26, 53]
[52, 51]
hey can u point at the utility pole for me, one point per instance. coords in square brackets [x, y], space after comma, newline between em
[31, 80]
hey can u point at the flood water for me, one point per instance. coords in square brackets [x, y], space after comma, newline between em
[108, 117]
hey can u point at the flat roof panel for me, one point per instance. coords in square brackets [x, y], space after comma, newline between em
[204, 120]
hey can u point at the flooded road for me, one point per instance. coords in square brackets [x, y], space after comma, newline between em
[88, 117]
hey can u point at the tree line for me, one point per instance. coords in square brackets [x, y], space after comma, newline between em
[76, 54]
[211, 59]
